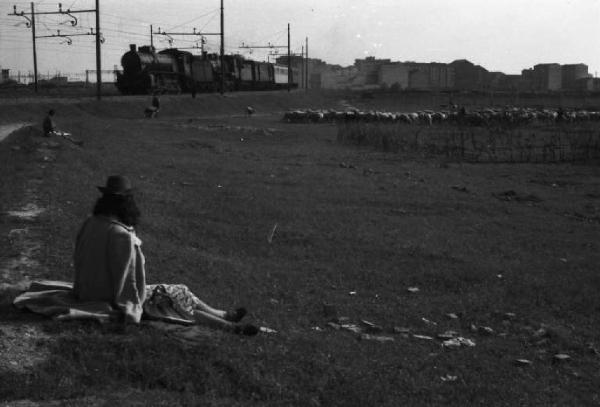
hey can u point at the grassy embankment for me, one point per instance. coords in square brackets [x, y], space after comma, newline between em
[355, 229]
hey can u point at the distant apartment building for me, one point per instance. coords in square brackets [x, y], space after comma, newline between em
[430, 76]
[512, 83]
[441, 76]
[587, 84]
[547, 77]
[468, 76]
[394, 75]
[373, 73]
[368, 69]
[336, 78]
[571, 73]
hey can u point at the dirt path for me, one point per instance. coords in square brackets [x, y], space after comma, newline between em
[7, 129]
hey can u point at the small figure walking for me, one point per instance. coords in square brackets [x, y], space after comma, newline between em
[152, 111]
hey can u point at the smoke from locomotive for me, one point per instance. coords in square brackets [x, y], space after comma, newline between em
[174, 71]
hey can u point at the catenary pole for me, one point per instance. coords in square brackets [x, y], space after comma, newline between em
[98, 62]
[301, 85]
[35, 74]
[289, 61]
[222, 50]
[306, 63]
[151, 38]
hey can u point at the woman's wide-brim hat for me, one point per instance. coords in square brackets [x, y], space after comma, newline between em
[117, 185]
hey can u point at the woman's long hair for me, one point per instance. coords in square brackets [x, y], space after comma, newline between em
[123, 207]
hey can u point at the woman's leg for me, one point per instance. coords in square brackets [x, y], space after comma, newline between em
[201, 306]
[190, 303]
[205, 318]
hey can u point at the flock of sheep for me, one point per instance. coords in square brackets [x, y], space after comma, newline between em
[480, 117]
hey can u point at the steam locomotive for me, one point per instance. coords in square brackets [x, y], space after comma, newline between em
[175, 71]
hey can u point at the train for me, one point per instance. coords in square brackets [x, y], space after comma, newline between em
[146, 71]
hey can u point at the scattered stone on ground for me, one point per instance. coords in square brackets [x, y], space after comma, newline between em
[266, 330]
[447, 335]
[425, 337]
[370, 327]
[333, 325]
[523, 362]
[485, 330]
[561, 357]
[28, 212]
[457, 342]
[352, 328]
[428, 321]
[378, 338]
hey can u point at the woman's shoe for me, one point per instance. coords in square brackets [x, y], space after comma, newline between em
[236, 315]
[248, 330]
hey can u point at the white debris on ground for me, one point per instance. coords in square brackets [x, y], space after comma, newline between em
[458, 342]
[266, 330]
[29, 212]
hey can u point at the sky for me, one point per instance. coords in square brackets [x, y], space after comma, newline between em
[500, 35]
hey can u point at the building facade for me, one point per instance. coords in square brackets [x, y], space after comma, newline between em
[394, 75]
[547, 77]
[571, 73]
[468, 76]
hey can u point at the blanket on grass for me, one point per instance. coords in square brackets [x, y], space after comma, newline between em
[55, 299]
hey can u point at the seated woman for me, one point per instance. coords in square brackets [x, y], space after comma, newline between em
[110, 266]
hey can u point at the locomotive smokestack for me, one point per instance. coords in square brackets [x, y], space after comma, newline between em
[132, 47]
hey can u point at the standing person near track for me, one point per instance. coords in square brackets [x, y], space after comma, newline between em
[152, 110]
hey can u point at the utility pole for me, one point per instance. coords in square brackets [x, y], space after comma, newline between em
[35, 75]
[151, 38]
[306, 76]
[98, 63]
[289, 60]
[289, 55]
[222, 50]
[31, 24]
[301, 85]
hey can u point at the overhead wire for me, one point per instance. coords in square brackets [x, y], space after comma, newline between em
[115, 33]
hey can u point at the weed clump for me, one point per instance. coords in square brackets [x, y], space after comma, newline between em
[528, 144]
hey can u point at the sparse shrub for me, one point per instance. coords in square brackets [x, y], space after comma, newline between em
[528, 143]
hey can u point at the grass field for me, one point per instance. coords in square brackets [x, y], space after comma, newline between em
[506, 255]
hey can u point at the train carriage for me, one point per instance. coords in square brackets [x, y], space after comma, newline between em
[174, 71]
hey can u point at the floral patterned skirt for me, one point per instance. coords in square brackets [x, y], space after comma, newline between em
[166, 298]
